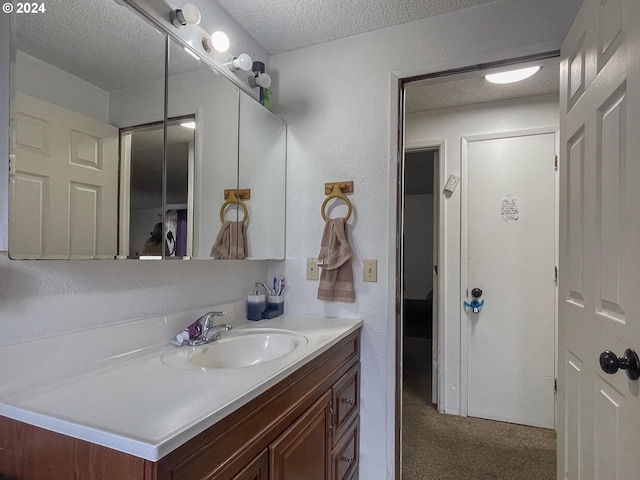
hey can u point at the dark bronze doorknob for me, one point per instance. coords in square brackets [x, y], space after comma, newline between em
[610, 363]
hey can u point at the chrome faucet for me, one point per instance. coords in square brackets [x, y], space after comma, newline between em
[210, 332]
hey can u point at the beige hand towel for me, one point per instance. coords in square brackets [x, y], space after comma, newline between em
[336, 278]
[230, 242]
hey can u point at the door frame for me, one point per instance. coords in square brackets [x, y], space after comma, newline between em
[398, 146]
[438, 330]
[464, 247]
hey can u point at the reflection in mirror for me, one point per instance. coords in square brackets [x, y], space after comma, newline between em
[194, 89]
[84, 75]
[262, 154]
[142, 232]
[71, 73]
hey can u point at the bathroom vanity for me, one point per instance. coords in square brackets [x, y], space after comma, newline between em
[125, 413]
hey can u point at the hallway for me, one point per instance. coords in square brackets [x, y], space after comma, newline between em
[444, 447]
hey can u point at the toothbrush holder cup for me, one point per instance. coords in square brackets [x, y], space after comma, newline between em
[275, 306]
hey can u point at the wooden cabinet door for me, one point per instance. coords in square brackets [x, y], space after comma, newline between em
[258, 469]
[303, 451]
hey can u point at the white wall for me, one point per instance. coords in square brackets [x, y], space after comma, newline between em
[341, 121]
[418, 245]
[46, 82]
[42, 298]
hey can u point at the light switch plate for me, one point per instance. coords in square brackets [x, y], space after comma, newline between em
[371, 270]
[312, 269]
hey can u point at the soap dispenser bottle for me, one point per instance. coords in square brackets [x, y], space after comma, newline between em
[256, 304]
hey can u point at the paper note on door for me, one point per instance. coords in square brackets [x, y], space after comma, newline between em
[509, 208]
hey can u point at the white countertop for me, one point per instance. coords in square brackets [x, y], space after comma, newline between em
[109, 386]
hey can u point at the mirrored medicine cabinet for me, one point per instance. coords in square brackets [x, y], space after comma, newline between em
[124, 144]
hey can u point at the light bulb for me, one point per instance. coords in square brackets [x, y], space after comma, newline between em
[191, 14]
[241, 62]
[512, 76]
[264, 80]
[220, 41]
[260, 80]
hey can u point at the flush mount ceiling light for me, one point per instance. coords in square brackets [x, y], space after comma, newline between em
[241, 62]
[512, 76]
[188, 15]
[218, 41]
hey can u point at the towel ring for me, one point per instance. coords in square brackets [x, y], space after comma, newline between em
[233, 199]
[336, 193]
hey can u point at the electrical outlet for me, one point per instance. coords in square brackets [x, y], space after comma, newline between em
[371, 270]
[312, 269]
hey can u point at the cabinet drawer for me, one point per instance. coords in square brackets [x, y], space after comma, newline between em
[344, 459]
[346, 401]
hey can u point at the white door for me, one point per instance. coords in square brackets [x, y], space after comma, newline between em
[599, 413]
[511, 253]
[434, 289]
[63, 183]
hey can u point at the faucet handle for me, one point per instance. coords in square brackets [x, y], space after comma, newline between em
[208, 317]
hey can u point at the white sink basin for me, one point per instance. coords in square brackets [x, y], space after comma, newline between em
[237, 349]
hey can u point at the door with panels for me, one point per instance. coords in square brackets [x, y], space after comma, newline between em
[63, 183]
[511, 257]
[598, 411]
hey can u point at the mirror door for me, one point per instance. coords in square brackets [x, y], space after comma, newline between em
[197, 91]
[98, 171]
[71, 98]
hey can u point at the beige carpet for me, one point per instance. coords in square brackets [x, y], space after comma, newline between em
[443, 447]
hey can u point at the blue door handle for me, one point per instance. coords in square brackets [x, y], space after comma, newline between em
[475, 305]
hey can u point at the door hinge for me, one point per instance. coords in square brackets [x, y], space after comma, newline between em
[555, 162]
[555, 275]
[555, 385]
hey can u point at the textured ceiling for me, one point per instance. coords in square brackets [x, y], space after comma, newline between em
[283, 25]
[471, 88]
[104, 43]
[110, 46]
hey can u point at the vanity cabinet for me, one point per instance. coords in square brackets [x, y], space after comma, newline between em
[307, 424]
[304, 427]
